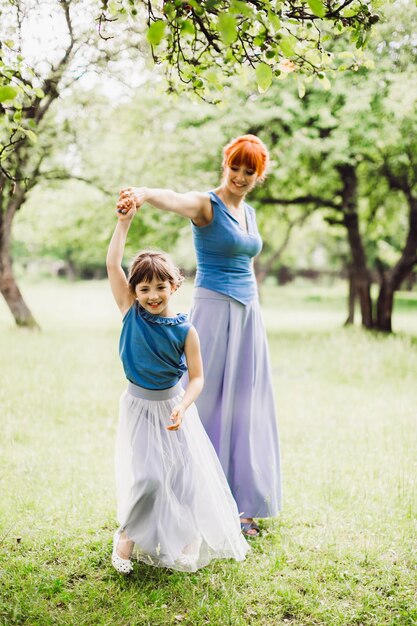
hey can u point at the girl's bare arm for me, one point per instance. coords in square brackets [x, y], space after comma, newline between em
[117, 277]
[195, 378]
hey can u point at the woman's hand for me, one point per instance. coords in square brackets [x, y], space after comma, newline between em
[176, 418]
[137, 194]
[126, 209]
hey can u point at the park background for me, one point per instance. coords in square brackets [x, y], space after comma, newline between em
[338, 213]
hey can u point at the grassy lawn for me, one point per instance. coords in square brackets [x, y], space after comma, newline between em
[343, 551]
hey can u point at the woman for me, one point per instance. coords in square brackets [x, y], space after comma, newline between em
[236, 405]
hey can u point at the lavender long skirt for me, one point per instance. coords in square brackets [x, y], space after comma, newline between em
[236, 405]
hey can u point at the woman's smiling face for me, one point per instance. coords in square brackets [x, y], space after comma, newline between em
[240, 179]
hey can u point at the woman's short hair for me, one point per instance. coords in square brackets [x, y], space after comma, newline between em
[247, 150]
[150, 264]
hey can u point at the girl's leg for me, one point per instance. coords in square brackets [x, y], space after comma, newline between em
[124, 546]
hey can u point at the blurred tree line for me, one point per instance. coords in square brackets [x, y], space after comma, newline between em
[340, 195]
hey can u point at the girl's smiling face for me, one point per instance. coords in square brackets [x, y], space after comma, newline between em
[154, 296]
[240, 179]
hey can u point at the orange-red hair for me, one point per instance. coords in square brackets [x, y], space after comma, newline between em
[247, 150]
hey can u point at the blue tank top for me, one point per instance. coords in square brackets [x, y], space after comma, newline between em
[224, 252]
[151, 348]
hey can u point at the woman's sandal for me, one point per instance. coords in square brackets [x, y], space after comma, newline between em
[247, 526]
[123, 566]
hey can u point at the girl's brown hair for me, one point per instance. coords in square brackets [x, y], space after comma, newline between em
[150, 264]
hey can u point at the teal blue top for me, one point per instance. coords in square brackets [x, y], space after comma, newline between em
[151, 348]
[224, 253]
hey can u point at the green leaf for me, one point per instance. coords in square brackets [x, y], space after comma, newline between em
[156, 32]
[241, 8]
[325, 83]
[317, 7]
[346, 54]
[187, 28]
[8, 93]
[212, 78]
[350, 13]
[31, 135]
[263, 77]
[169, 9]
[274, 20]
[301, 89]
[113, 8]
[287, 45]
[227, 28]
[39, 92]
[313, 56]
[259, 40]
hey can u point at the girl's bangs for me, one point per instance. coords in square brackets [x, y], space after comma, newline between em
[149, 271]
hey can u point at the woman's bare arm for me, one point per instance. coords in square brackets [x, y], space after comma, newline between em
[194, 205]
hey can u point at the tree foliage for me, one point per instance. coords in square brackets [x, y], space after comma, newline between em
[352, 153]
[32, 82]
[203, 44]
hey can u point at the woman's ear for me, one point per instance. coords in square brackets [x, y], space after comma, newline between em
[173, 288]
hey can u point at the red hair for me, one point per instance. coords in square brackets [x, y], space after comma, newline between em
[247, 150]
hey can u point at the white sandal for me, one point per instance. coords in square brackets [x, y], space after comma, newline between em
[123, 566]
[190, 560]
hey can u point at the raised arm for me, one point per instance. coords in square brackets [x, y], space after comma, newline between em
[195, 378]
[118, 281]
[194, 205]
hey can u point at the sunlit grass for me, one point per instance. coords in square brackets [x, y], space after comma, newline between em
[341, 553]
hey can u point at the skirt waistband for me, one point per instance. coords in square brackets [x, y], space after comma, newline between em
[154, 394]
[202, 292]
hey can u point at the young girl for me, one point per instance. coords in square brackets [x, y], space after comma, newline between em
[174, 508]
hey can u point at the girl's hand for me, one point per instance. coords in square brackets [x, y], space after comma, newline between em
[177, 416]
[126, 209]
[137, 194]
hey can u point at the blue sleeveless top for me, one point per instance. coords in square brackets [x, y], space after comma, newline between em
[151, 348]
[224, 252]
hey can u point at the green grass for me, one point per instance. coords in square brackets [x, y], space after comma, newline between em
[341, 553]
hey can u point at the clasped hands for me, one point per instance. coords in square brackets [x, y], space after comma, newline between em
[130, 198]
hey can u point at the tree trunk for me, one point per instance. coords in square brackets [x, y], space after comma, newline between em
[391, 280]
[364, 294]
[8, 286]
[351, 221]
[385, 307]
[14, 299]
[351, 299]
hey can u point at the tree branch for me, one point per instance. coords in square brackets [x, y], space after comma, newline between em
[61, 175]
[307, 199]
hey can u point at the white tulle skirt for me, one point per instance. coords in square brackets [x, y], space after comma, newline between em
[173, 499]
